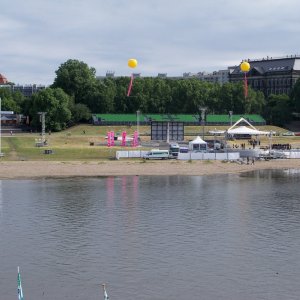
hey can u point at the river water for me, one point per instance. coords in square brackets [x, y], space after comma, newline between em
[152, 237]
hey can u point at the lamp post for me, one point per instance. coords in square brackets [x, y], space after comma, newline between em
[203, 110]
[270, 140]
[42, 119]
[230, 115]
[138, 122]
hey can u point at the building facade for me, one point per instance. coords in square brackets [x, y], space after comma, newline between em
[221, 76]
[270, 75]
[27, 90]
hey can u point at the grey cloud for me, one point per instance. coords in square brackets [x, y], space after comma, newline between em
[165, 36]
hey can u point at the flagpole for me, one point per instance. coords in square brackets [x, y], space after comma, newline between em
[104, 292]
[20, 290]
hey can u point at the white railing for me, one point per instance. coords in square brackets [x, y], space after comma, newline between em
[209, 156]
[130, 154]
[184, 156]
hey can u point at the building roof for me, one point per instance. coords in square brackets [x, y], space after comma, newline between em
[272, 65]
[3, 79]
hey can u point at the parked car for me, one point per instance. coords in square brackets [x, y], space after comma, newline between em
[214, 144]
[288, 133]
[157, 154]
[184, 150]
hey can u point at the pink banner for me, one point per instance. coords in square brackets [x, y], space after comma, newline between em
[135, 141]
[124, 138]
[112, 138]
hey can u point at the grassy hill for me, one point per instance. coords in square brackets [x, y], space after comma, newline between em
[87, 142]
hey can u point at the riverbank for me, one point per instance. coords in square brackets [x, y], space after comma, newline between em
[61, 169]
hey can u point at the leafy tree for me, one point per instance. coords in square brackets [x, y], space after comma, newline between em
[295, 97]
[278, 110]
[108, 95]
[80, 113]
[11, 101]
[55, 102]
[153, 95]
[258, 102]
[75, 78]
[160, 96]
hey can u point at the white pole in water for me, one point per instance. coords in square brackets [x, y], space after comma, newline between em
[104, 292]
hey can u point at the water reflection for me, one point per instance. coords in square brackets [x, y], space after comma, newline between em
[221, 237]
[1, 200]
[110, 190]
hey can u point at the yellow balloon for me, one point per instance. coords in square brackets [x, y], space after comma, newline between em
[132, 63]
[245, 66]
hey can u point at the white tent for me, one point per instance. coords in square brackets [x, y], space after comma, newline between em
[245, 130]
[216, 132]
[197, 144]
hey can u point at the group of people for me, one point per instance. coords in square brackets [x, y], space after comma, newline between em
[253, 143]
[243, 146]
[252, 160]
[282, 146]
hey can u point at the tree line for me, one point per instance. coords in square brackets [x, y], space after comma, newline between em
[76, 93]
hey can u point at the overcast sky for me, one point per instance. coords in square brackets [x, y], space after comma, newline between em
[165, 36]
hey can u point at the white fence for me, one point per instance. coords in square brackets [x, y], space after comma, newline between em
[130, 154]
[213, 156]
[209, 156]
[291, 154]
[294, 153]
[183, 156]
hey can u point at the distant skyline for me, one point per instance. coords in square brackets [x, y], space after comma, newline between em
[163, 35]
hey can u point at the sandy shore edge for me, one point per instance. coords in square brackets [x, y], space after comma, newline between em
[58, 169]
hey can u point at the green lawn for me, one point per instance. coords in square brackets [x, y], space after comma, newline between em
[87, 142]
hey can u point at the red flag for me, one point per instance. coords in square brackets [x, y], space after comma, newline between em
[130, 85]
[245, 86]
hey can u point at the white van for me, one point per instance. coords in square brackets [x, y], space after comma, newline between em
[174, 149]
[157, 154]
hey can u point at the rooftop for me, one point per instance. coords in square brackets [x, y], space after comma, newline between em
[3, 79]
[272, 64]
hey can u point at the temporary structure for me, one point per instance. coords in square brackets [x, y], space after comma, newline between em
[245, 130]
[197, 144]
[216, 132]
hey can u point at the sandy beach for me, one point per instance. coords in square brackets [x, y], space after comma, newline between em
[43, 169]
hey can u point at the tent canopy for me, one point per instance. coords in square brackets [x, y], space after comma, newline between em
[216, 132]
[197, 140]
[246, 130]
[197, 144]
